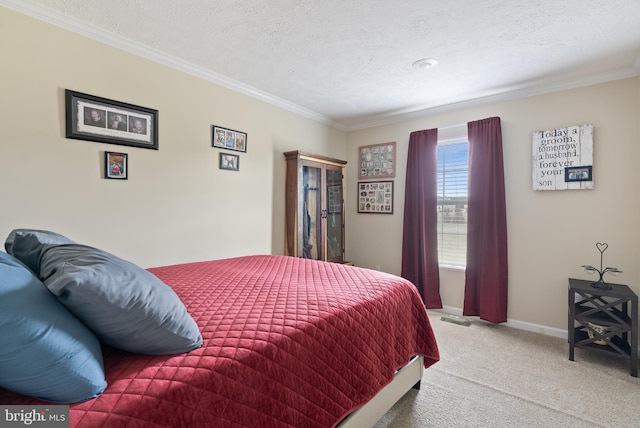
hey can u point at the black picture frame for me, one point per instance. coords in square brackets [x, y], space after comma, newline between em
[229, 162]
[93, 118]
[229, 139]
[116, 165]
[375, 197]
[578, 173]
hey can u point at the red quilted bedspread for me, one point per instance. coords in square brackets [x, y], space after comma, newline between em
[288, 342]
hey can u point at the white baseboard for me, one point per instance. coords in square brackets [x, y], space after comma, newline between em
[522, 325]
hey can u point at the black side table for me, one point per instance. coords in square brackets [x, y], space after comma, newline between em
[590, 306]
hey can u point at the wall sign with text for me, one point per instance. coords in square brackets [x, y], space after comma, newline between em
[562, 158]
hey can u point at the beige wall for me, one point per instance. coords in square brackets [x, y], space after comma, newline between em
[176, 206]
[550, 234]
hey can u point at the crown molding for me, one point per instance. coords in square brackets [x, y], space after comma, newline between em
[58, 19]
[506, 94]
[79, 27]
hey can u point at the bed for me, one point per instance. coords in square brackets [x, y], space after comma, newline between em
[285, 342]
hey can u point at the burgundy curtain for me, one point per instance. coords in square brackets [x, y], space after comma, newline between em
[420, 228]
[486, 282]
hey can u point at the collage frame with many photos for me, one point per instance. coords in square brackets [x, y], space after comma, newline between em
[375, 197]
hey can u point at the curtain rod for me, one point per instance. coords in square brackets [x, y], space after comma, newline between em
[460, 125]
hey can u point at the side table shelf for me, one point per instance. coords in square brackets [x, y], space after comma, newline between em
[600, 319]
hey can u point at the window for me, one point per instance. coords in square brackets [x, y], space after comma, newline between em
[453, 173]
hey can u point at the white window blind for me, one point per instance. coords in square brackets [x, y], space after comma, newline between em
[453, 174]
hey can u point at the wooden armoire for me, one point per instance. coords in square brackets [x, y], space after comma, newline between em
[314, 206]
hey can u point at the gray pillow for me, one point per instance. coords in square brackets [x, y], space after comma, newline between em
[27, 245]
[124, 305]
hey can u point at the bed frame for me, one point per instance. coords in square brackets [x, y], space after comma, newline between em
[405, 379]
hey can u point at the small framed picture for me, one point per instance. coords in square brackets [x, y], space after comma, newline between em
[375, 197]
[225, 138]
[102, 120]
[578, 173]
[115, 165]
[230, 162]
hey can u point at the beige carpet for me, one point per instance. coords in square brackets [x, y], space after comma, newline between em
[497, 376]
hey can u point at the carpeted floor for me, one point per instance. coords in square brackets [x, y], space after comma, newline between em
[497, 376]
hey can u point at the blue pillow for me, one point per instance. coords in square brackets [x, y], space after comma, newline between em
[45, 352]
[126, 306]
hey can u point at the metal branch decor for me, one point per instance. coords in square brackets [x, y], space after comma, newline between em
[602, 247]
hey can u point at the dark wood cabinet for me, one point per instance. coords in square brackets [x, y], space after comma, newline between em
[604, 320]
[314, 207]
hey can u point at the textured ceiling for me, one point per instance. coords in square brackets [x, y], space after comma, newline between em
[349, 62]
